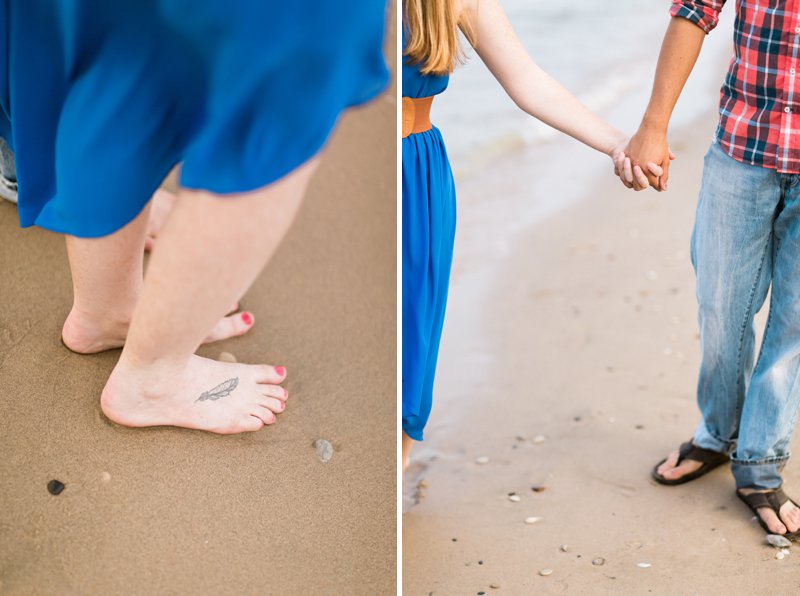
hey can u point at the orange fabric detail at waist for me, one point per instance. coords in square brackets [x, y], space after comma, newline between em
[416, 115]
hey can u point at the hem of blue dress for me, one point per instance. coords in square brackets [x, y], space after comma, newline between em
[107, 228]
[191, 182]
[415, 435]
[101, 229]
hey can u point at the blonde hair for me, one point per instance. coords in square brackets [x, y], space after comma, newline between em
[432, 34]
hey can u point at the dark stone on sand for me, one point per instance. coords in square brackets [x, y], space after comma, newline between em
[455, 539]
[480, 562]
[538, 488]
[54, 487]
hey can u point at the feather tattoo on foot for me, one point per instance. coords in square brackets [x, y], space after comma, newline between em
[224, 389]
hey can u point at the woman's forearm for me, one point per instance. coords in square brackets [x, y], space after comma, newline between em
[532, 89]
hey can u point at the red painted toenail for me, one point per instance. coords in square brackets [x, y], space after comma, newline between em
[280, 370]
[247, 318]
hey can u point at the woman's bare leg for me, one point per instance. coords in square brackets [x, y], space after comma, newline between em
[161, 206]
[209, 252]
[107, 281]
[407, 443]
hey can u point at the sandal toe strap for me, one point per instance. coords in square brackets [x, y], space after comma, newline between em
[692, 452]
[774, 499]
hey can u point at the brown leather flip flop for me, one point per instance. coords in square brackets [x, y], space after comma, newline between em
[709, 459]
[772, 499]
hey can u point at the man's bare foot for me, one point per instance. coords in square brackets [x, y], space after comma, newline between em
[90, 334]
[789, 521]
[671, 470]
[202, 394]
[163, 201]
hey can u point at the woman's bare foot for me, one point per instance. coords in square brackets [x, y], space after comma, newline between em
[90, 334]
[407, 442]
[671, 470]
[201, 394]
[163, 201]
[789, 516]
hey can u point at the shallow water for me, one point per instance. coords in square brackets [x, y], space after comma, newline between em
[604, 52]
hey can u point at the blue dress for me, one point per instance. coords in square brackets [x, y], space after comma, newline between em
[100, 98]
[429, 225]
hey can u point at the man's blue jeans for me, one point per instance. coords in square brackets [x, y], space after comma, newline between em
[746, 238]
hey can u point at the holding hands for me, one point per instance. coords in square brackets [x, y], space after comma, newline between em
[644, 159]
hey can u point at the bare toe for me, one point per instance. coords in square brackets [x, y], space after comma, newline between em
[686, 467]
[265, 415]
[773, 523]
[790, 515]
[272, 404]
[231, 326]
[251, 424]
[275, 391]
[669, 464]
[270, 374]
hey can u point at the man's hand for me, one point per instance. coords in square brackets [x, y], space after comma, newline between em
[648, 146]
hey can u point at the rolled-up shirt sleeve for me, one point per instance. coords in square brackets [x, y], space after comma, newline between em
[703, 13]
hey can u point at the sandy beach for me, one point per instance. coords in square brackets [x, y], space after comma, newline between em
[569, 364]
[172, 511]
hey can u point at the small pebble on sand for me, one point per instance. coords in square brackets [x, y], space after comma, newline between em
[778, 541]
[539, 439]
[514, 498]
[598, 561]
[564, 548]
[779, 555]
[106, 476]
[227, 357]
[521, 438]
[494, 586]
[324, 449]
[538, 488]
[54, 487]
[644, 565]
[422, 483]
[546, 572]
[482, 460]
[533, 519]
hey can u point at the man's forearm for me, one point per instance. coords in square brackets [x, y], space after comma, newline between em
[679, 52]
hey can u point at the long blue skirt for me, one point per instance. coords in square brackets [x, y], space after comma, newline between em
[429, 225]
[101, 98]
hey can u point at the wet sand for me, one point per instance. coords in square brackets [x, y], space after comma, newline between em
[569, 360]
[172, 511]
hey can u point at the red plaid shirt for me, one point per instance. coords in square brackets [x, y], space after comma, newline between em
[760, 99]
